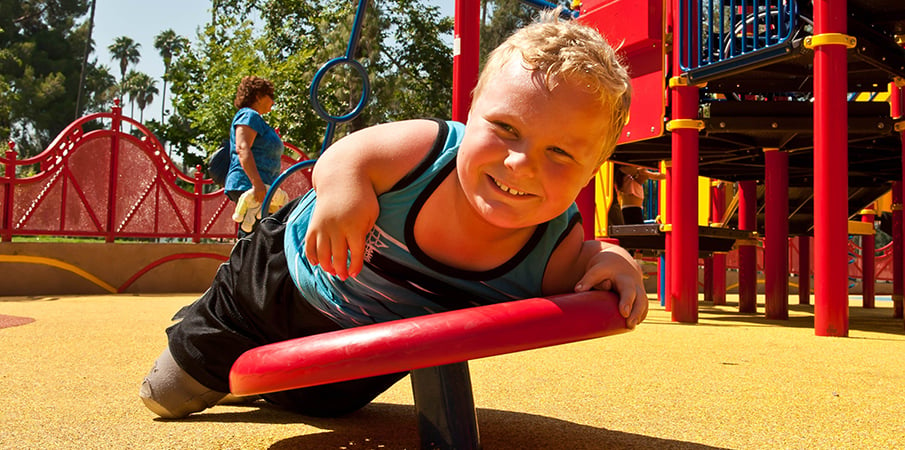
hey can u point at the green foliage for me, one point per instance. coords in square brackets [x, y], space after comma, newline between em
[41, 48]
[204, 80]
[408, 62]
[405, 48]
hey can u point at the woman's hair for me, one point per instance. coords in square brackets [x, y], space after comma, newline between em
[569, 51]
[250, 89]
[618, 177]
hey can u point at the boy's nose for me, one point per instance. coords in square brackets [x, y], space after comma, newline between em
[521, 161]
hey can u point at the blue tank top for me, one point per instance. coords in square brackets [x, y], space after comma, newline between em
[399, 280]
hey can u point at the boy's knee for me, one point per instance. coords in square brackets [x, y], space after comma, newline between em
[172, 393]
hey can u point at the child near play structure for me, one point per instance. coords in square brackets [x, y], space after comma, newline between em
[419, 217]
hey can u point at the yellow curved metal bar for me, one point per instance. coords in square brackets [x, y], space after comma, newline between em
[830, 39]
[676, 124]
[60, 265]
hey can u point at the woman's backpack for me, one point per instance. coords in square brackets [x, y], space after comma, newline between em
[218, 164]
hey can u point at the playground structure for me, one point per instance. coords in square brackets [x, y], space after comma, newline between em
[759, 90]
[649, 138]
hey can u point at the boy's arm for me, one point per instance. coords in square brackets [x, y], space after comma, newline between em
[348, 177]
[577, 266]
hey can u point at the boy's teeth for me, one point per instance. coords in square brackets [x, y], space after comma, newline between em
[508, 189]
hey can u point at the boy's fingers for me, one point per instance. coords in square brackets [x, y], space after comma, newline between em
[356, 257]
[340, 262]
[311, 250]
[324, 255]
[639, 309]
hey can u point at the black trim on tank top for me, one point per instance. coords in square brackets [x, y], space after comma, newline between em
[425, 163]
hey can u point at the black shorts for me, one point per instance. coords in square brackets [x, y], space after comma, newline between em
[252, 302]
[632, 215]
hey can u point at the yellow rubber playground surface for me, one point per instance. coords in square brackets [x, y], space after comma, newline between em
[69, 380]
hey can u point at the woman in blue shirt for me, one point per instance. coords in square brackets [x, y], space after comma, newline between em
[255, 159]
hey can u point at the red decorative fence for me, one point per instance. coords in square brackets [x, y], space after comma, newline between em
[112, 184]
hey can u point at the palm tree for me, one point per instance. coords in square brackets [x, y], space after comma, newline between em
[102, 83]
[169, 44]
[145, 90]
[125, 50]
[130, 85]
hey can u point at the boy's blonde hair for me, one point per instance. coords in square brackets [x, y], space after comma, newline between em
[567, 50]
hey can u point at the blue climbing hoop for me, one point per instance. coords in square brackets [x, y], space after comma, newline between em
[332, 120]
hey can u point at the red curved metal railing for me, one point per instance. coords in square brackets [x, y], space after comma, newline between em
[115, 184]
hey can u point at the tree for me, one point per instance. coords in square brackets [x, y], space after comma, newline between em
[145, 88]
[499, 19]
[204, 80]
[124, 50]
[409, 65]
[100, 85]
[168, 43]
[130, 87]
[42, 44]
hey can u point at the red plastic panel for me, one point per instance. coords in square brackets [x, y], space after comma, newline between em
[637, 28]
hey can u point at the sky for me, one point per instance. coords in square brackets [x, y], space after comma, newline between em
[142, 20]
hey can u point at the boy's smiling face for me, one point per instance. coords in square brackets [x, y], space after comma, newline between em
[527, 150]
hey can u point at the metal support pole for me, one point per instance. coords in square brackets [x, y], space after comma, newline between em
[867, 261]
[6, 216]
[747, 251]
[898, 249]
[116, 126]
[776, 236]
[665, 297]
[445, 407]
[718, 208]
[804, 270]
[830, 172]
[466, 53]
[897, 111]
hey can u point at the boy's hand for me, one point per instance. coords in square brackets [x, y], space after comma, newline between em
[336, 235]
[611, 271]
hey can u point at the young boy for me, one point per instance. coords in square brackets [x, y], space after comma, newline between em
[417, 217]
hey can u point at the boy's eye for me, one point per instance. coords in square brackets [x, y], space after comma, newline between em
[506, 128]
[560, 152]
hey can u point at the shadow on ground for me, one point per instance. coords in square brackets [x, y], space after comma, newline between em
[394, 427]
[875, 320]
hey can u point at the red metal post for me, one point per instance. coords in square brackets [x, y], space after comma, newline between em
[6, 226]
[747, 251]
[196, 221]
[466, 53]
[776, 236]
[898, 248]
[683, 259]
[830, 173]
[665, 298]
[867, 260]
[708, 278]
[897, 111]
[116, 125]
[587, 206]
[804, 270]
[718, 208]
